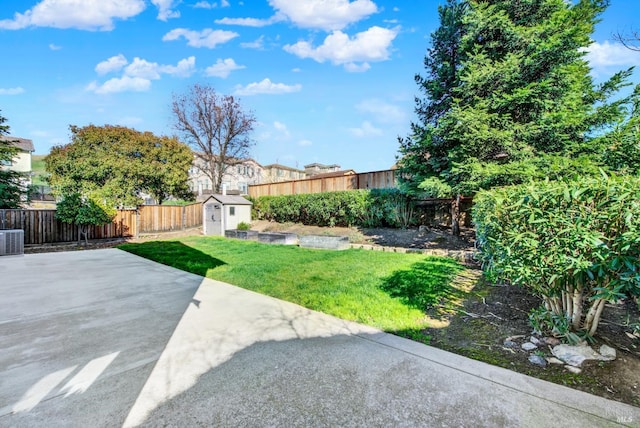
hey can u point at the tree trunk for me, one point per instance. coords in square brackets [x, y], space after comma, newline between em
[455, 216]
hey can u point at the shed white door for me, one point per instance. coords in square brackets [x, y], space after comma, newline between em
[213, 218]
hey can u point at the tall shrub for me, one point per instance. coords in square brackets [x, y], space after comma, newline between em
[575, 244]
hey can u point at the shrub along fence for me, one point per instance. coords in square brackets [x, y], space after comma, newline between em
[42, 226]
[366, 208]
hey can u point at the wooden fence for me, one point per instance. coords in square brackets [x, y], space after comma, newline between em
[162, 218]
[367, 180]
[42, 226]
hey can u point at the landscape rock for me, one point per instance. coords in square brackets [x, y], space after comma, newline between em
[608, 352]
[573, 369]
[554, 360]
[552, 341]
[537, 360]
[534, 340]
[509, 344]
[528, 346]
[512, 338]
[576, 355]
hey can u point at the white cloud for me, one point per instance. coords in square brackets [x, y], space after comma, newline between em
[357, 68]
[152, 70]
[365, 130]
[282, 129]
[121, 84]
[256, 44]
[205, 5]
[206, 38]
[296, 70]
[184, 68]
[266, 86]
[382, 111]
[304, 143]
[80, 14]
[115, 63]
[137, 75]
[165, 9]
[248, 22]
[143, 69]
[370, 45]
[54, 47]
[223, 67]
[610, 54]
[11, 91]
[324, 14]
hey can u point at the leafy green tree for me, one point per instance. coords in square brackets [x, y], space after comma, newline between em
[117, 164]
[13, 191]
[84, 211]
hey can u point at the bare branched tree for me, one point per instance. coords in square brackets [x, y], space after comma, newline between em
[216, 127]
[630, 40]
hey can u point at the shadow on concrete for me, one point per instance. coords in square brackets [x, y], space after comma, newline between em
[174, 254]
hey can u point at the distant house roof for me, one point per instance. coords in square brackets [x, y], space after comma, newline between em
[319, 165]
[229, 200]
[333, 174]
[278, 166]
[22, 143]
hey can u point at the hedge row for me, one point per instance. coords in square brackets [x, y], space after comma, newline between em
[366, 208]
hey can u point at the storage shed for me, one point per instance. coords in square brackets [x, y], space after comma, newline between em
[224, 212]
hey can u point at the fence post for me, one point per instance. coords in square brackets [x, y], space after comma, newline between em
[137, 222]
[184, 217]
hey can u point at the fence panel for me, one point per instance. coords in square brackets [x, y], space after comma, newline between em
[42, 226]
[367, 180]
[163, 218]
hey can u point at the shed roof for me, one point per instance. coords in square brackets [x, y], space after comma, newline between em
[229, 200]
[21, 143]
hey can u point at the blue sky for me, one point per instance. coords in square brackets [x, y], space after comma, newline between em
[329, 81]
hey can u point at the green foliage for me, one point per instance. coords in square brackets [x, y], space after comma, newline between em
[424, 152]
[84, 211]
[575, 243]
[507, 89]
[12, 188]
[117, 164]
[368, 208]
[243, 226]
[433, 187]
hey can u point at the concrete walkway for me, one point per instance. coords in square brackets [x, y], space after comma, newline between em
[105, 338]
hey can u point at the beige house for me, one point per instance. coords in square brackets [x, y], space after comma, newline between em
[22, 162]
[236, 180]
[275, 173]
[318, 168]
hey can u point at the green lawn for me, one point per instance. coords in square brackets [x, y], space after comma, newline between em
[387, 290]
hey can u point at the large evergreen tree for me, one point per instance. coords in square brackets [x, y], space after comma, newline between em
[424, 153]
[523, 104]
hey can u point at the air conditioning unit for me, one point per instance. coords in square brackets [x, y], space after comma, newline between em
[11, 242]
